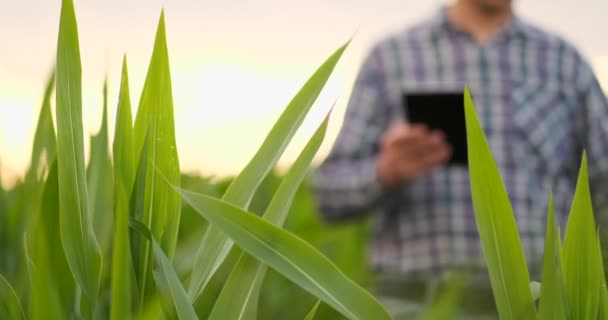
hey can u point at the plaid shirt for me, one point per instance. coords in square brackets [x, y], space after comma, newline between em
[540, 105]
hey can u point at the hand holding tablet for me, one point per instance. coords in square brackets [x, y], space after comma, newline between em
[410, 150]
[443, 111]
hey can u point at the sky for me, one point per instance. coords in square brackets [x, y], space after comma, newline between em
[234, 64]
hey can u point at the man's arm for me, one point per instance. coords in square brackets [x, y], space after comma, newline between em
[596, 141]
[597, 146]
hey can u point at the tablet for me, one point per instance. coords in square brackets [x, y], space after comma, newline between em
[444, 111]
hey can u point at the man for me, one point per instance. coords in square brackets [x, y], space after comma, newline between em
[539, 103]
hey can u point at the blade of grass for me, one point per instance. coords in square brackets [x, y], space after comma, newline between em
[496, 224]
[240, 294]
[166, 279]
[99, 180]
[215, 245]
[581, 265]
[552, 302]
[313, 311]
[25, 207]
[155, 113]
[161, 211]
[10, 306]
[124, 173]
[289, 255]
[141, 249]
[4, 228]
[43, 301]
[445, 307]
[50, 273]
[603, 304]
[44, 147]
[44, 151]
[560, 249]
[77, 237]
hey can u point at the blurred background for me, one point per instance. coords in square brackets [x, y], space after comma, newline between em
[234, 64]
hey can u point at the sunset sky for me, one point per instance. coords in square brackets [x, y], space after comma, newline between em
[234, 64]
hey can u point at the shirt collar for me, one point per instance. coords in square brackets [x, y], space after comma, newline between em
[441, 24]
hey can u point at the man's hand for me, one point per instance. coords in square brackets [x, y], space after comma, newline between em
[407, 151]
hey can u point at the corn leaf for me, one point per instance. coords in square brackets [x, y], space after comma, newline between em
[239, 300]
[124, 172]
[496, 224]
[51, 281]
[4, 241]
[215, 245]
[313, 311]
[603, 304]
[77, 237]
[289, 255]
[10, 307]
[560, 248]
[446, 305]
[44, 148]
[140, 247]
[26, 204]
[161, 207]
[581, 255]
[43, 299]
[44, 151]
[240, 294]
[166, 279]
[99, 179]
[155, 113]
[553, 302]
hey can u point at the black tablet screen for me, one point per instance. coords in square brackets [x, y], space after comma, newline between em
[442, 111]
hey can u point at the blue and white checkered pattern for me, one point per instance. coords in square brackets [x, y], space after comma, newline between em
[540, 105]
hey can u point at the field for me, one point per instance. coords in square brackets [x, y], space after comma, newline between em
[128, 235]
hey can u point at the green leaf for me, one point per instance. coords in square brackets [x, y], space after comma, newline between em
[123, 153]
[289, 255]
[51, 280]
[44, 151]
[124, 172]
[553, 302]
[99, 179]
[560, 249]
[161, 206]
[215, 246]
[313, 311]
[44, 148]
[240, 294]
[77, 235]
[603, 304]
[166, 278]
[446, 305]
[44, 301]
[10, 307]
[496, 224]
[140, 250]
[26, 203]
[5, 244]
[581, 265]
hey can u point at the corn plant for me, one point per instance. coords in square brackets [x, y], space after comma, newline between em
[573, 285]
[98, 241]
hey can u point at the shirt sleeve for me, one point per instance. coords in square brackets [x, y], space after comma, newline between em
[346, 184]
[596, 142]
